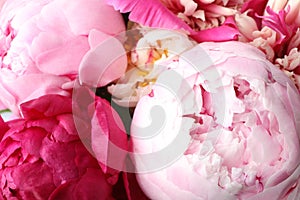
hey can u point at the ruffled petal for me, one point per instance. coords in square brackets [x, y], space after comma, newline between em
[46, 106]
[109, 140]
[150, 13]
[256, 8]
[98, 67]
[13, 92]
[92, 185]
[3, 128]
[226, 32]
[95, 14]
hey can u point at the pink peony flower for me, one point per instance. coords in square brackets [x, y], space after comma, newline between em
[43, 43]
[235, 116]
[203, 20]
[273, 27]
[42, 156]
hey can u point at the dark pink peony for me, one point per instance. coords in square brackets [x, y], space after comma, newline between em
[42, 156]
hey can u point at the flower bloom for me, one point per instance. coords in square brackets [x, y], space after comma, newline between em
[42, 156]
[241, 117]
[42, 45]
[155, 47]
[274, 29]
[204, 20]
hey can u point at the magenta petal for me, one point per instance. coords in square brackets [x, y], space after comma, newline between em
[91, 185]
[227, 32]
[151, 13]
[3, 128]
[132, 187]
[277, 22]
[13, 92]
[256, 8]
[61, 158]
[103, 64]
[109, 140]
[46, 106]
[31, 140]
[32, 179]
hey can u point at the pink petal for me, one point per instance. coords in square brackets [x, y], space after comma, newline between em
[227, 31]
[65, 130]
[277, 22]
[92, 185]
[31, 140]
[132, 187]
[2, 106]
[109, 140]
[84, 159]
[97, 37]
[32, 179]
[13, 92]
[95, 14]
[65, 59]
[3, 128]
[60, 158]
[256, 8]
[103, 64]
[46, 106]
[153, 14]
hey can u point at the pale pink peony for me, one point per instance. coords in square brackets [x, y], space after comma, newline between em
[241, 117]
[204, 20]
[42, 156]
[42, 44]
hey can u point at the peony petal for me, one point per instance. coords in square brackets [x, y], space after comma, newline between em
[31, 140]
[153, 14]
[91, 185]
[98, 67]
[256, 8]
[226, 32]
[13, 92]
[33, 180]
[109, 139]
[95, 14]
[96, 37]
[46, 106]
[132, 187]
[3, 128]
[65, 59]
[56, 155]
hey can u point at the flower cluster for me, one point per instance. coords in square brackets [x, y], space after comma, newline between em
[156, 99]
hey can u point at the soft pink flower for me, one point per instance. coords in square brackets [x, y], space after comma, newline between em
[203, 20]
[42, 156]
[42, 44]
[241, 117]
